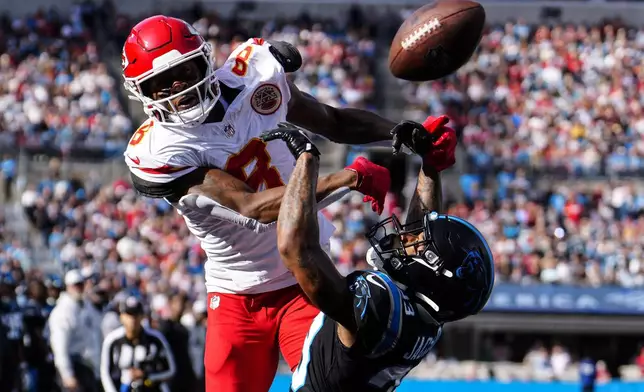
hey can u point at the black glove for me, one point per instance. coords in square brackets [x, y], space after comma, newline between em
[413, 135]
[296, 141]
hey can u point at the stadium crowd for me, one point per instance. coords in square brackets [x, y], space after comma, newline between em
[54, 90]
[559, 99]
[532, 101]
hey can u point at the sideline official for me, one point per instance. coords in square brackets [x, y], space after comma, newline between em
[135, 358]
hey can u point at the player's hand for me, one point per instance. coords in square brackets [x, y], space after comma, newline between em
[373, 182]
[432, 140]
[296, 141]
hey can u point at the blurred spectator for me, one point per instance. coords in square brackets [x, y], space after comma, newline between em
[93, 309]
[603, 375]
[11, 325]
[37, 353]
[198, 342]
[639, 360]
[559, 360]
[8, 176]
[111, 319]
[587, 374]
[178, 338]
[538, 361]
[69, 339]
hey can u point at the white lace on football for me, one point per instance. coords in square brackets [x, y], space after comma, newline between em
[420, 33]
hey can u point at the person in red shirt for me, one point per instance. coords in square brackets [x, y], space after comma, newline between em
[639, 360]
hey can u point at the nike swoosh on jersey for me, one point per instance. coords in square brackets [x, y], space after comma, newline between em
[372, 279]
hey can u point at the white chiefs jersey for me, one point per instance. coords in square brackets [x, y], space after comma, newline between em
[240, 260]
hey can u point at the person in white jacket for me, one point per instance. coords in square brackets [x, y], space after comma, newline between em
[68, 337]
[93, 310]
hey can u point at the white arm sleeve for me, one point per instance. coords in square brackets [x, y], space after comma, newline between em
[202, 205]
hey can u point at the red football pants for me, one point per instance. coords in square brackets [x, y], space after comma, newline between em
[245, 333]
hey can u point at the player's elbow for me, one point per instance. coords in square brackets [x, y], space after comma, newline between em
[288, 243]
[293, 244]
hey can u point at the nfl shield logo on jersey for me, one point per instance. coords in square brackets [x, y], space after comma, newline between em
[229, 131]
[214, 302]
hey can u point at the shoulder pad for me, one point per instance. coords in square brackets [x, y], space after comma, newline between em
[286, 54]
[377, 311]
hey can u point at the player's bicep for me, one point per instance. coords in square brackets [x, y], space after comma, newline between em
[223, 188]
[307, 112]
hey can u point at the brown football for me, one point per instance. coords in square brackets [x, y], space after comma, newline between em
[436, 40]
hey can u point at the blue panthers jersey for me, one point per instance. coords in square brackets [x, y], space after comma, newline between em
[11, 317]
[394, 335]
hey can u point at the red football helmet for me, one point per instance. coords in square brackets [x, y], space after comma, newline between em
[158, 44]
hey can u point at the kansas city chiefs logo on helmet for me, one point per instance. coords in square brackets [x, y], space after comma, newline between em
[124, 61]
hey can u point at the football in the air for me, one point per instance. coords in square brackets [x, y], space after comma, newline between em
[436, 40]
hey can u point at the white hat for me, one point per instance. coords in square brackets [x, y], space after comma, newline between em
[73, 277]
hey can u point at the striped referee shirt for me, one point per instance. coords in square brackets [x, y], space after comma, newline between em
[151, 353]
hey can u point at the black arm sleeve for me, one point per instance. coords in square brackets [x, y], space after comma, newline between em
[286, 54]
[173, 190]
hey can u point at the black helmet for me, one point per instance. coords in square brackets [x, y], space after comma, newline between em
[452, 275]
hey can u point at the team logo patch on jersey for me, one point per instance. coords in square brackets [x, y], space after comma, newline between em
[266, 99]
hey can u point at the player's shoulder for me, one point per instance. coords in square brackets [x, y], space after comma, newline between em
[372, 283]
[374, 293]
[378, 310]
[250, 63]
[153, 145]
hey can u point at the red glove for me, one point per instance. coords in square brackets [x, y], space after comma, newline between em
[373, 182]
[441, 155]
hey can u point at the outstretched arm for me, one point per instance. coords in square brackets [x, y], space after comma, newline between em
[263, 206]
[350, 126]
[299, 246]
[428, 195]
